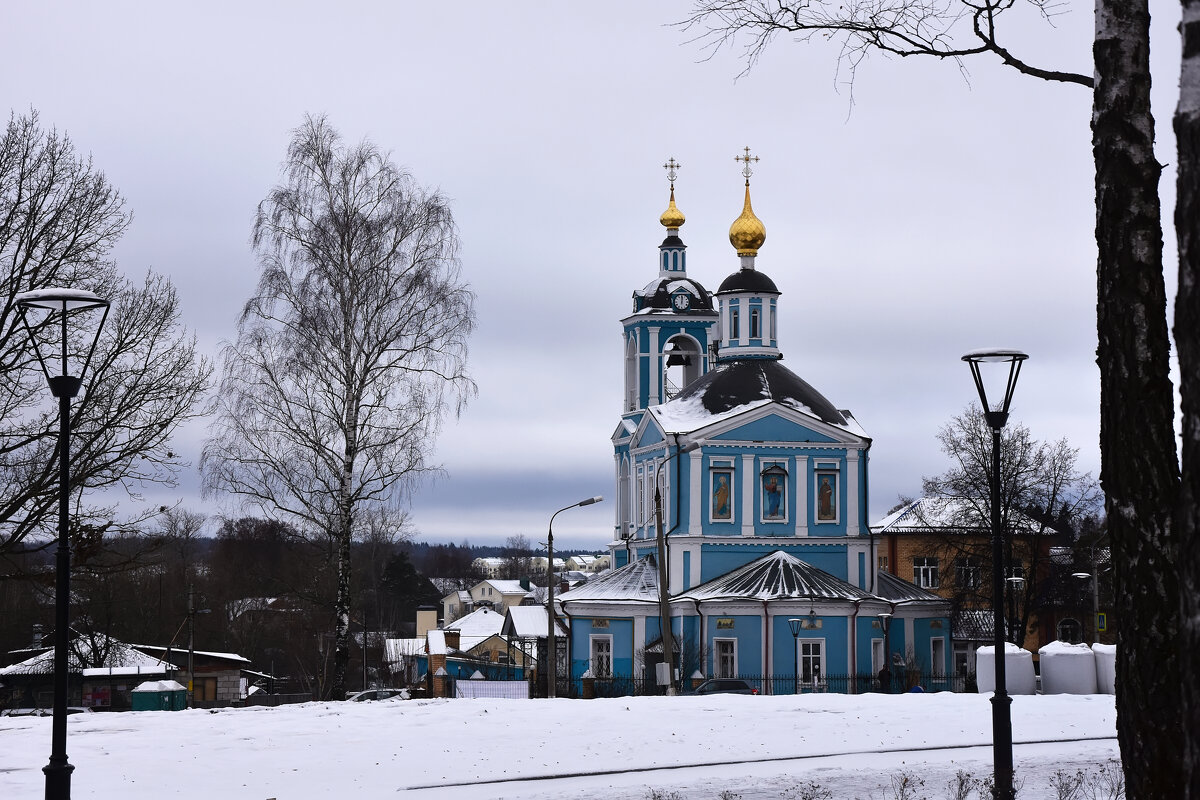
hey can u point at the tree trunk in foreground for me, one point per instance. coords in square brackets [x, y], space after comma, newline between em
[1187, 340]
[1139, 471]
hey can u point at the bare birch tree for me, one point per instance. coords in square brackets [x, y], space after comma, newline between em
[1140, 471]
[350, 353]
[59, 220]
[1187, 340]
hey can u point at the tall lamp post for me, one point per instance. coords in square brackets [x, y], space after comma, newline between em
[551, 639]
[664, 605]
[52, 310]
[997, 361]
[795, 625]
[885, 673]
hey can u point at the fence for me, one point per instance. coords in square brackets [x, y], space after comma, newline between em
[779, 684]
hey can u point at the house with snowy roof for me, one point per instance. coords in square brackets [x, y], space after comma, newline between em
[760, 483]
[946, 543]
[102, 673]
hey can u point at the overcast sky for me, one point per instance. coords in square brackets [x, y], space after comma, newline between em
[925, 214]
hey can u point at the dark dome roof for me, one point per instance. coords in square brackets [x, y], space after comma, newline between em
[748, 280]
[671, 241]
[737, 383]
[658, 295]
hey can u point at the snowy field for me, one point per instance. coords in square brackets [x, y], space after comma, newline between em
[617, 749]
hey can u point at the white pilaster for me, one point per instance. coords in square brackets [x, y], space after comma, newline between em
[800, 509]
[853, 526]
[747, 504]
[695, 493]
[655, 368]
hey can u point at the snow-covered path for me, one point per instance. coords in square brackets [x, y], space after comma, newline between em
[380, 749]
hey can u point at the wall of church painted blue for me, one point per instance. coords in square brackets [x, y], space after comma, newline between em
[623, 646]
[831, 634]
[925, 631]
[716, 560]
[747, 630]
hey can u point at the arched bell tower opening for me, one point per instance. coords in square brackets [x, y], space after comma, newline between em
[683, 362]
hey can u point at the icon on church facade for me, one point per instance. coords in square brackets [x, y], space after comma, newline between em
[774, 495]
[722, 497]
[827, 497]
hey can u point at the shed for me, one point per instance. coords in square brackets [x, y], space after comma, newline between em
[159, 696]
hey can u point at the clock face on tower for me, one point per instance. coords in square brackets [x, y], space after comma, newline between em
[681, 301]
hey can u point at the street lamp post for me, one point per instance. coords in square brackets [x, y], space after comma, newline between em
[54, 309]
[795, 624]
[664, 606]
[885, 674]
[551, 639]
[996, 419]
[1095, 576]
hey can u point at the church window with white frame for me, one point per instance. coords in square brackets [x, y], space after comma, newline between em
[724, 658]
[601, 655]
[810, 658]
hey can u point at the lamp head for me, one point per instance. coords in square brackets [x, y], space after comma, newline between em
[998, 361]
[45, 313]
[795, 624]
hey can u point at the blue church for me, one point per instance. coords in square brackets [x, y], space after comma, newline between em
[770, 565]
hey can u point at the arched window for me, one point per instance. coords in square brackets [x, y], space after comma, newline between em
[682, 364]
[1069, 630]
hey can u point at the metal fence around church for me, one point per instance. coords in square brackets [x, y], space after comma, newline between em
[900, 682]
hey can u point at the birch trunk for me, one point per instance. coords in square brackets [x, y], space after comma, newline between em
[1139, 472]
[1187, 340]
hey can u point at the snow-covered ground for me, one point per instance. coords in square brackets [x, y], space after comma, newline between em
[754, 747]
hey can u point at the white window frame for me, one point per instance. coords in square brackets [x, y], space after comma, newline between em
[922, 574]
[755, 323]
[937, 665]
[878, 656]
[607, 640]
[717, 642]
[802, 659]
[968, 572]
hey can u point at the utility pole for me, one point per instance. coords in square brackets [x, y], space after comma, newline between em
[191, 644]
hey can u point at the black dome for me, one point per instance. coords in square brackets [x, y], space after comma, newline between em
[748, 280]
[658, 295]
[744, 381]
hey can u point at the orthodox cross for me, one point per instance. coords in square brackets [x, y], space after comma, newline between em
[672, 166]
[746, 159]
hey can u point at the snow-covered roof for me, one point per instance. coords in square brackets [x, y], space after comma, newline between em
[206, 653]
[775, 576]
[396, 649]
[505, 586]
[950, 515]
[110, 658]
[529, 622]
[898, 590]
[478, 624]
[636, 582]
[160, 686]
[736, 387]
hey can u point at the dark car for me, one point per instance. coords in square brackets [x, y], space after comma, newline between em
[725, 686]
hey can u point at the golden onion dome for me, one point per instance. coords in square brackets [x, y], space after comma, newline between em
[672, 217]
[747, 233]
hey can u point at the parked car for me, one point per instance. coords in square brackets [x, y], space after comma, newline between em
[378, 694]
[725, 686]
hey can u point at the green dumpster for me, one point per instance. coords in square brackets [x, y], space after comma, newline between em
[160, 696]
